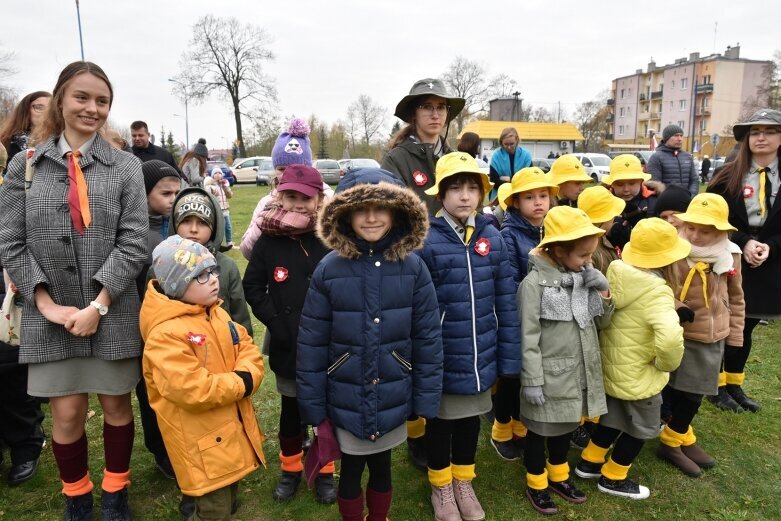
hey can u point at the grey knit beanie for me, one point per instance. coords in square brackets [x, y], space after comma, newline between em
[200, 148]
[177, 261]
[669, 131]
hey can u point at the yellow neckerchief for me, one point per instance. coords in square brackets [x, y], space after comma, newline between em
[464, 230]
[762, 171]
[700, 268]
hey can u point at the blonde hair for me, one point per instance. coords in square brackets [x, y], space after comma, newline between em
[507, 132]
[670, 273]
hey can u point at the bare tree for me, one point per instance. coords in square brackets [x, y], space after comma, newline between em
[501, 86]
[228, 56]
[7, 94]
[591, 119]
[542, 115]
[466, 79]
[366, 117]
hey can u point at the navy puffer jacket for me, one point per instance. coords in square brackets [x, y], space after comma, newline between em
[521, 237]
[476, 293]
[370, 342]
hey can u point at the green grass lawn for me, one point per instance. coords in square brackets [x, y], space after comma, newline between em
[745, 484]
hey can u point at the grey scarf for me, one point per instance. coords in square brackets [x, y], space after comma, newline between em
[582, 304]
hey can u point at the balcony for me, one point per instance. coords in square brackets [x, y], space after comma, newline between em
[656, 115]
[611, 101]
[704, 111]
[643, 116]
[608, 136]
[704, 88]
[610, 118]
[657, 94]
[642, 97]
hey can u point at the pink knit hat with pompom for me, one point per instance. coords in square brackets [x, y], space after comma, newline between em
[292, 147]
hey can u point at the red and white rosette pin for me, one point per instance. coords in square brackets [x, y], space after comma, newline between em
[483, 247]
[280, 274]
[419, 177]
[748, 191]
[197, 339]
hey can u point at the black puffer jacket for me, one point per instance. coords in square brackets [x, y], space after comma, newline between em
[674, 166]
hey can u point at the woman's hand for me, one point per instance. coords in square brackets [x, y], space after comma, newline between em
[57, 314]
[755, 253]
[84, 322]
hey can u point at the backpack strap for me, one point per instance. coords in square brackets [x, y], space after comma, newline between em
[234, 333]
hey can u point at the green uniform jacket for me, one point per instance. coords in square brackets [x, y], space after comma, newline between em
[406, 160]
[560, 356]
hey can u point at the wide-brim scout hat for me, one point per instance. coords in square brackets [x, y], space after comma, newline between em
[530, 178]
[654, 243]
[502, 193]
[708, 209]
[760, 117]
[458, 163]
[568, 168]
[564, 224]
[600, 205]
[405, 110]
[625, 167]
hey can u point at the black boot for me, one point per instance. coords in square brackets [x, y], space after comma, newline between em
[325, 489]
[724, 401]
[78, 508]
[307, 439]
[737, 394]
[114, 506]
[416, 450]
[287, 486]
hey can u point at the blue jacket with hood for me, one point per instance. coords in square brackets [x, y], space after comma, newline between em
[521, 237]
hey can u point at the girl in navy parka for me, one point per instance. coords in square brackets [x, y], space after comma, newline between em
[471, 271]
[369, 342]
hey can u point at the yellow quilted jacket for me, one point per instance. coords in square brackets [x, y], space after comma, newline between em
[644, 340]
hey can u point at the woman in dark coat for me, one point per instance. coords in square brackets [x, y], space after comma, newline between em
[19, 126]
[73, 237]
[750, 185]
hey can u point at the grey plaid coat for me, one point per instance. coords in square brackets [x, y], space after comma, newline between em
[38, 245]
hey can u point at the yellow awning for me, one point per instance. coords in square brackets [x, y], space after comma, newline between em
[527, 131]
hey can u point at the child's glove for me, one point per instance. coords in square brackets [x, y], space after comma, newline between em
[533, 395]
[246, 377]
[685, 314]
[593, 278]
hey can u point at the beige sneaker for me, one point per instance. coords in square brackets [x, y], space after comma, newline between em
[467, 502]
[444, 503]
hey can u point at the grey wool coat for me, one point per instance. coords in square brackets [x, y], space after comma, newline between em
[39, 245]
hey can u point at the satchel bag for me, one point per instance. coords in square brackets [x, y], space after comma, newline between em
[11, 318]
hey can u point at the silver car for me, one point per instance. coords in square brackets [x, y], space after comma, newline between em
[264, 172]
[329, 170]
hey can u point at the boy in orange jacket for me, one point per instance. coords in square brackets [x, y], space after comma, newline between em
[200, 369]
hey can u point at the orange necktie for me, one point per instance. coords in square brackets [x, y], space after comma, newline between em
[78, 199]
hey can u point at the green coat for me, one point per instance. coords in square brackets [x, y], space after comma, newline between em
[560, 356]
[410, 157]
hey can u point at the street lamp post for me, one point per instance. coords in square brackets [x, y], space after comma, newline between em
[186, 112]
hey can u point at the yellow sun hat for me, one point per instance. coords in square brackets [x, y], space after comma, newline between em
[568, 168]
[502, 193]
[709, 209]
[625, 167]
[530, 178]
[600, 205]
[564, 224]
[654, 243]
[458, 163]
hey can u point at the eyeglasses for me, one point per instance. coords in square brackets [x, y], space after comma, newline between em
[768, 132]
[430, 108]
[39, 107]
[203, 277]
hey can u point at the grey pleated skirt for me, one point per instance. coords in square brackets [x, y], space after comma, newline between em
[83, 375]
[638, 418]
[285, 386]
[457, 406]
[699, 369]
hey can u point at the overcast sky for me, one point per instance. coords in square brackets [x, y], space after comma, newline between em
[330, 52]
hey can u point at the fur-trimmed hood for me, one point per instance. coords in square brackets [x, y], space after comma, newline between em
[363, 187]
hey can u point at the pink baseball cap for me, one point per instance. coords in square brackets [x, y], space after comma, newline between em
[301, 178]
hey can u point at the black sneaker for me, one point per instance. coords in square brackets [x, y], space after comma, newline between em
[580, 437]
[78, 508]
[541, 501]
[114, 506]
[416, 450]
[325, 489]
[286, 486]
[567, 490]
[737, 394]
[624, 488]
[587, 470]
[724, 401]
[507, 450]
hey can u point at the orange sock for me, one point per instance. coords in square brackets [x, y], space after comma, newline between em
[78, 488]
[115, 481]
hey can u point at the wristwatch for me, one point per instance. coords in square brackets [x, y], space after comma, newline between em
[102, 309]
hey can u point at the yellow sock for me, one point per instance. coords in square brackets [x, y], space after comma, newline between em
[440, 478]
[735, 378]
[463, 472]
[557, 473]
[519, 429]
[502, 431]
[537, 481]
[594, 453]
[722, 379]
[416, 428]
[614, 471]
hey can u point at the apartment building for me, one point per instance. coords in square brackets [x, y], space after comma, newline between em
[703, 95]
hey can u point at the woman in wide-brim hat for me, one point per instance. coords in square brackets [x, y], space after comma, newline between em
[428, 109]
[750, 184]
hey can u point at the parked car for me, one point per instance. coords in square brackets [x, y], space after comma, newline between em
[597, 165]
[227, 173]
[264, 173]
[349, 164]
[543, 164]
[642, 155]
[329, 170]
[715, 164]
[244, 169]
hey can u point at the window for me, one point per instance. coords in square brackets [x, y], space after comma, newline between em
[684, 83]
[706, 79]
[702, 126]
[629, 92]
[705, 102]
[622, 93]
[620, 130]
[621, 112]
[629, 111]
[682, 104]
[645, 108]
[672, 84]
[681, 124]
[671, 105]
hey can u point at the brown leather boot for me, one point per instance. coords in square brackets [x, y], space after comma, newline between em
[695, 453]
[675, 456]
